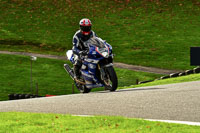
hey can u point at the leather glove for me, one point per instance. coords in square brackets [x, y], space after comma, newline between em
[83, 53]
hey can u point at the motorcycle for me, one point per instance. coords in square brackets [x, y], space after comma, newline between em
[97, 67]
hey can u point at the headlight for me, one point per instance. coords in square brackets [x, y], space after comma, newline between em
[105, 54]
[103, 51]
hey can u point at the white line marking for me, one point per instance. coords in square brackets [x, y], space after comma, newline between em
[167, 121]
[177, 122]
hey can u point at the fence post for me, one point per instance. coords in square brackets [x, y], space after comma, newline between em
[72, 88]
[36, 93]
[31, 89]
[137, 81]
[33, 58]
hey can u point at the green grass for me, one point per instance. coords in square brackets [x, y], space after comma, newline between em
[188, 78]
[155, 33]
[12, 122]
[50, 75]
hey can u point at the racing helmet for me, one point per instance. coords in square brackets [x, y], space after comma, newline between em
[85, 26]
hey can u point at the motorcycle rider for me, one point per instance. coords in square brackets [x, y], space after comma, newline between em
[79, 47]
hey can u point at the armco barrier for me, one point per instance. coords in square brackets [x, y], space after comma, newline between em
[174, 75]
[145, 81]
[187, 72]
[165, 77]
[182, 74]
[22, 96]
[197, 70]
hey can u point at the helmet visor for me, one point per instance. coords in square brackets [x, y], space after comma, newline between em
[86, 28]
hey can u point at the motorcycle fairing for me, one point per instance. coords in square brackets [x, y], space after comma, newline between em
[88, 69]
[70, 56]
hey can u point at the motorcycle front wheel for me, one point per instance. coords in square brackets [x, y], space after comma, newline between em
[111, 82]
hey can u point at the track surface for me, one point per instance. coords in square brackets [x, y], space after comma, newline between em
[167, 102]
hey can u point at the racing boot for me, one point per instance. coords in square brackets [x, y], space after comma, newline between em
[76, 73]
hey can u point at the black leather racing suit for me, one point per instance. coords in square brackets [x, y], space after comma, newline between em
[78, 46]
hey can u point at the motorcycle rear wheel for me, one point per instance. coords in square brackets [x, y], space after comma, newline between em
[82, 88]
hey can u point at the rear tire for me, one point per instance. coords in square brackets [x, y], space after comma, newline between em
[82, 88]
[85, 90]
[112, 76]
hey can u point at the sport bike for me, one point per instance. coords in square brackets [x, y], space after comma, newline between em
[97, 67]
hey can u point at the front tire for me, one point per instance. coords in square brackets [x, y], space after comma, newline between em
[111, 77]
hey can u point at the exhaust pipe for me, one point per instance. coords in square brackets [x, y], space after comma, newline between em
[69, 70]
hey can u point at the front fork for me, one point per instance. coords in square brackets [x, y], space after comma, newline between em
[104, 76]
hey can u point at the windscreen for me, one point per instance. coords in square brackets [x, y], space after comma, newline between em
[96, 42]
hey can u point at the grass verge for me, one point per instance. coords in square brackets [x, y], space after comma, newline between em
[143, 32]
[51, 123]
[50, 75]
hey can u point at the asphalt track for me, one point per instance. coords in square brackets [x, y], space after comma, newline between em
[179, 102]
